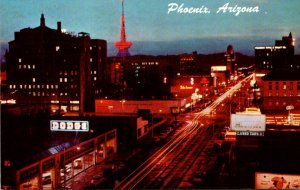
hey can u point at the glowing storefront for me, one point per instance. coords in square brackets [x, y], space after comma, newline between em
[66, 162]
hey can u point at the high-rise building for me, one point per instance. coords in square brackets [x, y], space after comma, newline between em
[50, 67]
[123, 45]
[230, 60]
[279, 56]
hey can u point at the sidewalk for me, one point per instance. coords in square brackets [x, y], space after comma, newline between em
[83, 179]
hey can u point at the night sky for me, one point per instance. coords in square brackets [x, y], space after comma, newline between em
[155, 31]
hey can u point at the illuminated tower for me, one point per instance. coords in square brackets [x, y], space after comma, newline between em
[230, 60]
[123, 45]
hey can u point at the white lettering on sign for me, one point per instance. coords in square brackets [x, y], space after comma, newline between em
[63, 125]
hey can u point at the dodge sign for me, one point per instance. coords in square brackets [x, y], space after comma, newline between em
[68, 125]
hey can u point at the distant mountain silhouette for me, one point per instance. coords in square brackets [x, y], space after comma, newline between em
[202, 46]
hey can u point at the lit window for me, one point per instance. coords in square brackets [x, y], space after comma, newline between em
[20, 66]
[56, 86]
[33, 94]
[28, 66]
[14, 86]
[39, 94]
[20, 60]
[51, 86]
[95, 78]
[91, 59]
[291, 85]
[60, 79]
[95, 72]
[21, 86]
[24, 66]
[10, 86]
[25, 86]
[66, 79]
[33, 86]
[43, 93]
[33, 66]
[42, 86]
[47, 86]
[38, 86]
[33, 79]
[57, 48]
[66, 94]
[91, 47]
[29, 86]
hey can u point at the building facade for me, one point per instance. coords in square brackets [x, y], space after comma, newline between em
[279, 56]
[142, 77]
[281, 89]
[50, 67]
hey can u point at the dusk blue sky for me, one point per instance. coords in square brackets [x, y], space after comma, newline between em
[152, 30]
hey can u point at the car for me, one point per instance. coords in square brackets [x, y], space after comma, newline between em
[78, 164]
[46, 180]
[97, 180]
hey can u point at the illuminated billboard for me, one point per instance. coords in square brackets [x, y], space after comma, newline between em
[276, 181]
[248, 122]
[218, 68]
[69, 125]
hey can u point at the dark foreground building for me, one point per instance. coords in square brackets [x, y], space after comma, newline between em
[50, 67]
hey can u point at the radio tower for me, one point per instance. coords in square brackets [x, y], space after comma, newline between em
[123, 45]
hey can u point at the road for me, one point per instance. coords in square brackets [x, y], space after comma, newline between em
[167, 167]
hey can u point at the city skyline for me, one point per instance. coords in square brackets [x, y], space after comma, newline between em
[162, 27]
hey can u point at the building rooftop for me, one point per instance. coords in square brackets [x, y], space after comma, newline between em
[282, 75]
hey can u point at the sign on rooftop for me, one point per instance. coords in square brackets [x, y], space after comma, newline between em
[248, 122]
[69, 125]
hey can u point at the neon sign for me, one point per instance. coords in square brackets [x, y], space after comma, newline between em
[67, 125]
[182, 87]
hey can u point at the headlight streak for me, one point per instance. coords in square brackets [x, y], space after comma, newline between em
[193, 126]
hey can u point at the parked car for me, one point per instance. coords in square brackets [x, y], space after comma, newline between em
[97, 180]
[46, 180]
[77, 164]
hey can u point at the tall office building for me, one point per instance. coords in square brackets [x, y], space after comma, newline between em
[230, 60]
[279, 56]
[50, 67]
